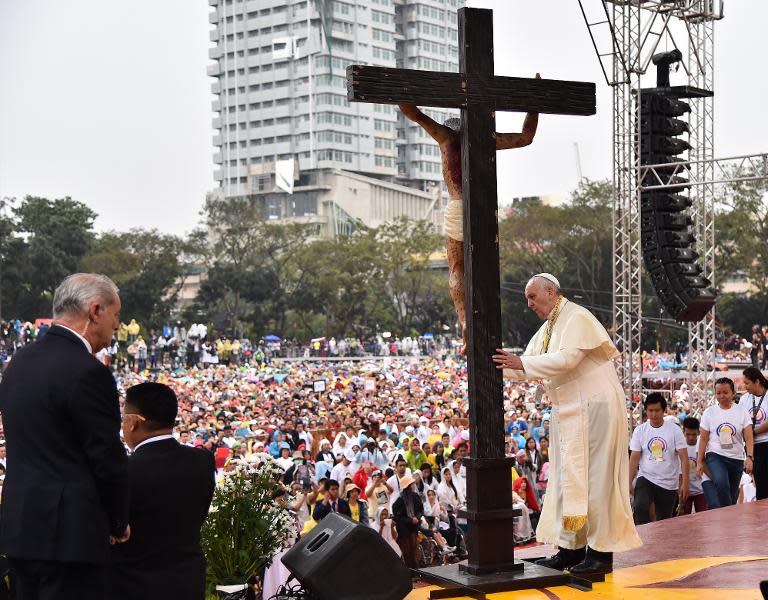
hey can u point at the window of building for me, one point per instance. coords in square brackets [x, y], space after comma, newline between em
[304, 204]
[379, 35]
[273, 208]
[342, 8]
[381, 17]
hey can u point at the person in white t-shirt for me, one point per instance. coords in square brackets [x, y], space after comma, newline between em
[447, 427]
[393, 483]
[696, 495]
[339, 472]
[756, 402]
[726, 428]
[747, 490]
[660, 452]
[423, 431]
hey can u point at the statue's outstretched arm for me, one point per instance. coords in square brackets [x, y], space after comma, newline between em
[440, 133]
[505, 141]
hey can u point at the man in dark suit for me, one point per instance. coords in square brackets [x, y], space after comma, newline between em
[65, 490]
[171, 487]
[331, 502]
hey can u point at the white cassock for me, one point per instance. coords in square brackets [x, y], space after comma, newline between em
[587, 499]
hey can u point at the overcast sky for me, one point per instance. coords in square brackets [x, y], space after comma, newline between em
[108, 102]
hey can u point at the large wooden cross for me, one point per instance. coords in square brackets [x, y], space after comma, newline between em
[479, 94]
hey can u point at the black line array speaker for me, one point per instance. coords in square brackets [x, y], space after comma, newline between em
[666, 234]
[344, 560]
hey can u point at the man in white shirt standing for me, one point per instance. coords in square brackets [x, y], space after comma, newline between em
[660, 451]
[423, 432]
[447, 426]
[393, 483]
[344, 466]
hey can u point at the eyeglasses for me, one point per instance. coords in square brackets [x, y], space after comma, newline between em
[122, 417]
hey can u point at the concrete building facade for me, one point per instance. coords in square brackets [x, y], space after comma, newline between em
[336, 202]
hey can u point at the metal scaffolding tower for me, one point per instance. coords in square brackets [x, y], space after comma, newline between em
[701, 335]
[632, 31]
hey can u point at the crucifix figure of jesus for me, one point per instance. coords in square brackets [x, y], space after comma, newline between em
[448, 138]
[479, 94]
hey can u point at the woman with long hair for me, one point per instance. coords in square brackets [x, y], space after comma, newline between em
[447, 492]
[523, 499]
[756, 403]
[533, 463]
[726, 428]
[438, 452]
[386, 528]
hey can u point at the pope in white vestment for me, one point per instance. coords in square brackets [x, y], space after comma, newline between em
[587, 500]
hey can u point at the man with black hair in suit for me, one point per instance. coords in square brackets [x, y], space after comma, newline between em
[65, 492]
[171, 488]
[331, 502]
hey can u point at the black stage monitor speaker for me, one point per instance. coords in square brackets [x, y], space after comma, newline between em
[343, 560]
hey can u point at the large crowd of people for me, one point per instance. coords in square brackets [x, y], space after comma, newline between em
[365, 427]
[382, 440]
[136, 347]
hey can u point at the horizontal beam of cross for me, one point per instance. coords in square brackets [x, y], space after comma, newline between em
[385, 85]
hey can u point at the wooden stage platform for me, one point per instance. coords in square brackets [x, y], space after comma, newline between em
[715, 555]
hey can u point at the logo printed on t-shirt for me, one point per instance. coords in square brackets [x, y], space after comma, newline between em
[760, 417]
[656, 447]
[725, 432]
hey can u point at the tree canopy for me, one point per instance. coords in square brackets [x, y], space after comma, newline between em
[261, 276]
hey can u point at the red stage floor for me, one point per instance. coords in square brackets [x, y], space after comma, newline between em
[718, 555]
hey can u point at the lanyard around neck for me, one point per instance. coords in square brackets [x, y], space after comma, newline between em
[756, 409]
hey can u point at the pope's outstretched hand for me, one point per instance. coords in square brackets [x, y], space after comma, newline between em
[505, 360]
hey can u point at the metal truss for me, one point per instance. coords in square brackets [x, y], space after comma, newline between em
[636, 28]
[731, 169]
[701, 334]
[627, 265]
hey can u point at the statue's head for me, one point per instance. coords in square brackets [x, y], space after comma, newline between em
[453, 123]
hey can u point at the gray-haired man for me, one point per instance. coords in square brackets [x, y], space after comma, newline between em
[66, 499]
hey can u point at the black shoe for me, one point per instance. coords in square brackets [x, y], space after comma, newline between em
[564, 559]
[595, 563]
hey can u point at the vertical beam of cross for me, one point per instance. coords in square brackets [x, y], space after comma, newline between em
[481, 242]
[489, 477]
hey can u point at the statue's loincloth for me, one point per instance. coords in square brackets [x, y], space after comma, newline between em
[454, 220]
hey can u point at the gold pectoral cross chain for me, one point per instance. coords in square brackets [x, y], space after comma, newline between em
[551, 324]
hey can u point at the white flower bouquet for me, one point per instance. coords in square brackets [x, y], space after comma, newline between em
[245, 526]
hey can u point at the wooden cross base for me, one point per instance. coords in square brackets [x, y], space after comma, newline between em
[490, 516]
[455, 583]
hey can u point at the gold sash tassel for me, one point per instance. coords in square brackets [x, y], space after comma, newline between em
[574, 523]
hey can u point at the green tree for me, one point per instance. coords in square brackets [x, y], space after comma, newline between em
[741, 226]
[572, 241]
[346, 284]
[49, 239]
[739, 312]
[254, 267]
[7, 228]
[407, 251]
[147, 266]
